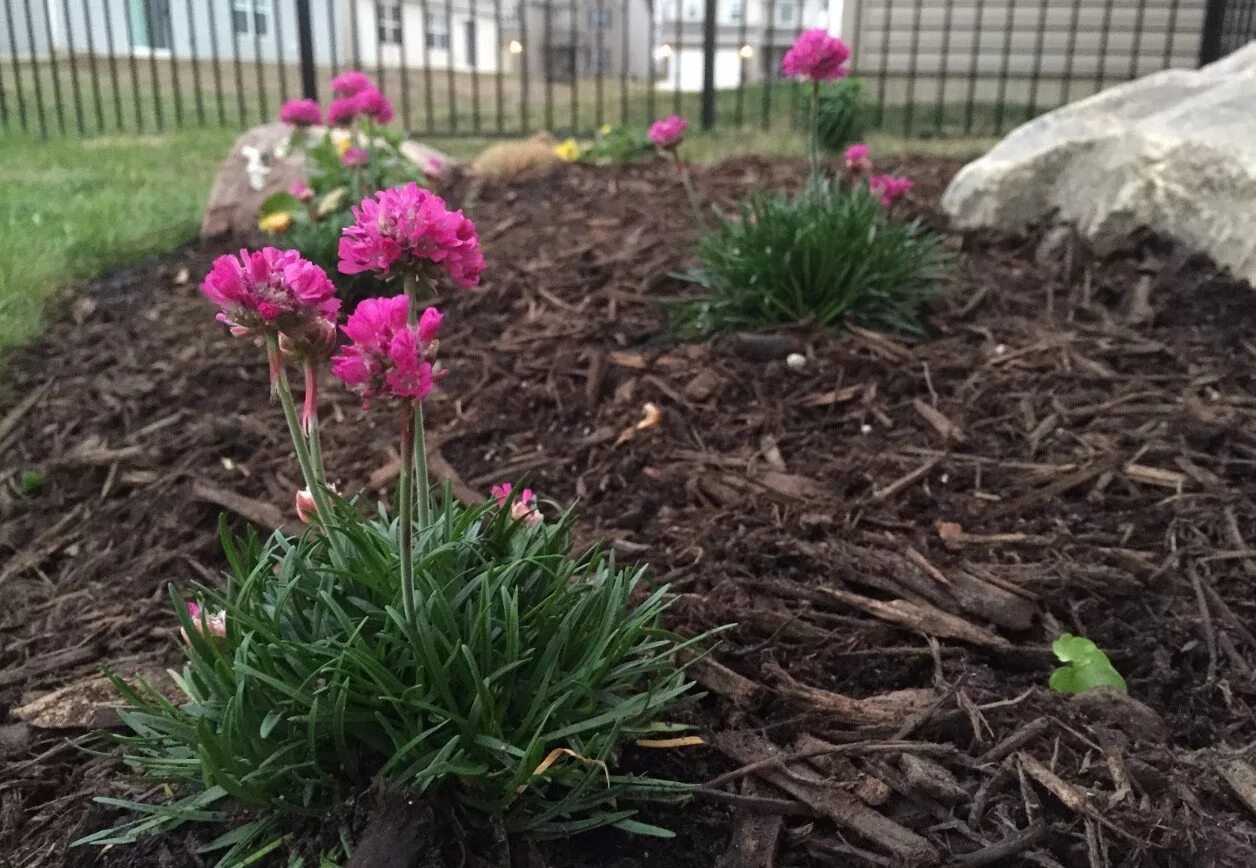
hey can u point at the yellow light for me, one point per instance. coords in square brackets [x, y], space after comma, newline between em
[516, 47]
[747, 51]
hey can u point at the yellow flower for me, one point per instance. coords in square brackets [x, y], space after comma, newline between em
[568, 150]
[607, 129]
[276, 224]
[342, 139]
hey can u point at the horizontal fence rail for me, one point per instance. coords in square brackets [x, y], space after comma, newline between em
[516, 67]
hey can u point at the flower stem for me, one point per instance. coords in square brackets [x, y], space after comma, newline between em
[423, 484]
[813, 137]
[309, 418]
[313, 479]
[687, 182]
[405, 520]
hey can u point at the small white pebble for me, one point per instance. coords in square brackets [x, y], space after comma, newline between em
[946, 477]
[865, 429]
[797, 361]
[1000, 349]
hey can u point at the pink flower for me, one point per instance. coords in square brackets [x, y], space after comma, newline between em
[301, 113]
[889, 188]
[343, 111]
[351, 83]
[269, 290]
[301, 191]
[374, 105]
[668, 133]
[354, 158]
[305, 505]
[388, 357]
[524, 509]
[434, 167]
[410, 227]
[857, 160]
[207, 623]
[817, 56]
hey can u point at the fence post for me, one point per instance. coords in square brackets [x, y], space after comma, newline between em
[1210, 40]
[708, 65]
[305, 50]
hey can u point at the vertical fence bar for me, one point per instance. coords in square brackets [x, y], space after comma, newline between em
[4, 102]
[1210, 38]
[305, 49]
[53, 66]
[1036, 73]
[74, 76]
[575, 72]
[599, 47]
[97, 99]
[944, 65]
[133, 63]
[651, 73]
[403, 48]
[1070, 51]
[739, 110]
[238, 63]
[625, 48]
[449, 66]
[708, 64]
[675, 58]
[113, 68]
[769, 72]
[1170, 34]
[473, 54]
[547, 59]
[1105, 33]
[428, 109]
[332, 37]
[887, 20]
[198, 97]
[356, 39]
[498, 80]
[1136, 46]
[974, 66]
[913, 68]
[174, 71]
[263, 105]
[379, 44]
[17, 67]
[153, 72]
[1005, 67]
[211, 11]
[525, 84]
[281, 59]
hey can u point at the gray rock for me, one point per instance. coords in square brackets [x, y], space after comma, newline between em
[1174, 151]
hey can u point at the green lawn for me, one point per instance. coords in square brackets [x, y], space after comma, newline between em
[72, 209]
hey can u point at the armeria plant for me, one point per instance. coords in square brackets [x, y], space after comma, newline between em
[837, 251]
[460, 654]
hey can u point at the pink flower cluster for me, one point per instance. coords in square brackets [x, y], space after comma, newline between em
[411, 228]
[351, 83]
[301, 191]
[668, 133]
[270, 290]
[889, 188]
[389, 358]
[817, 56]
[207, 623]
[301, 113]
[524, 509]
[354, 158]
[858, 161]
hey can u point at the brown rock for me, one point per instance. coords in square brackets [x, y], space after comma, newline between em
[1120, 711]
[88, 703]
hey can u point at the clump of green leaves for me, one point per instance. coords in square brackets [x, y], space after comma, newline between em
[29, 482]
[619, 144]
[1085, 667]
[507, 699]
[842, 118]
[829, 254]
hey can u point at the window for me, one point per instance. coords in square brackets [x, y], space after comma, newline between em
[597, 60]
[436, 30]
[734, 10]
[785, 13]
[388, 23]
[250, 17]
[693, 11]
[599, 19]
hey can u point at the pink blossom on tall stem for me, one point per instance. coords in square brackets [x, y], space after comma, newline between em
[301, 113]
[817, 56]
[351, 83]
[354, 158]
[667, 134]
[206, 623]
[389, 358]
[857, 159]
[343, 111]
[523, 509]
[374, 105]
[269, 291]
[410, 229]
[889, 188]
[301, 191]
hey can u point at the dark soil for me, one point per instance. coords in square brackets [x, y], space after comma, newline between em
[1074, 449]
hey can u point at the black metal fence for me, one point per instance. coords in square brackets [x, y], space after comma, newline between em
[511, 67]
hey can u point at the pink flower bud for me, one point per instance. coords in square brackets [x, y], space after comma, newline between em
[668, 133]
[857, 160]
[207, 623]
[354, 158]
[434, 167]
[306, 507]
[301, 191]
[524, 509]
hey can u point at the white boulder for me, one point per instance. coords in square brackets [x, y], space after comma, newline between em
[1174, 151]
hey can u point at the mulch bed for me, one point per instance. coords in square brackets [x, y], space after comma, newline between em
[899, 529]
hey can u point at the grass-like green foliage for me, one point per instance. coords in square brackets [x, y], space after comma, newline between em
[518, 649]
[619, 144]
[842, 119]
[30, 482]
[826, 255]
[1085, 667]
